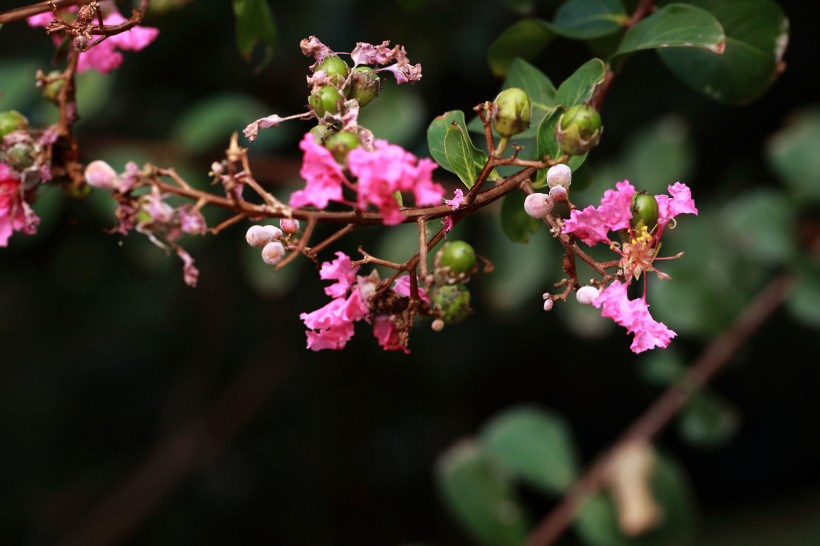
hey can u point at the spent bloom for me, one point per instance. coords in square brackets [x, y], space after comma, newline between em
[638, 251]
[15, 212]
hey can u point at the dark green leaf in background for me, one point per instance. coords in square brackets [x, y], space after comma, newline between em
[254, 26]
[761, 225]
[793, 154]
[515, 222]
[757, 32]
[708, 420]
[525, 39]
[578, 88]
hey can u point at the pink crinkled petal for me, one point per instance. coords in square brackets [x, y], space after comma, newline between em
[323, 176]
[588, 225]
[634, 316]
[681, 202]
[342, 271]
[616, 206]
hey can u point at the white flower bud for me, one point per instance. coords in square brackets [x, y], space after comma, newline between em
[438, 325]
[559, 175]
[273, 253]
[289, 225]
[587, 294]
[548, 304]
[538, 205]
[258, 236]
[100, 174]
[558, 193]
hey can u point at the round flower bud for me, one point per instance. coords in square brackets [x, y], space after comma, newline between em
[578, 129]
[335, 68]
[452, 301]
[438, 325]
[289, 225]
[80, 43]
[538, 205]
[273, 252]
[587, 294]
[364, 85]
[548, 303]
[513, 111]
[100, 174]
[258, 236]
[12, 120]
[559, 175]
[326, 99]
[340, 145]
[644, 211]
[558, 193]
[322, 132]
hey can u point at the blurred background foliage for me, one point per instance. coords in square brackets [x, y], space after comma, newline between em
[107, 354]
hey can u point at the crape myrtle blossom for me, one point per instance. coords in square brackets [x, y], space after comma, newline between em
[379, 174]
[105, 56]
[332, 326]
[593, 225]
[15, 212]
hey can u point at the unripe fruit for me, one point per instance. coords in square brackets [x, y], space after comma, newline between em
[538, 205]
[12, 120]
[258, 236]
[458, 256]
[20, 156]
[273, 253]
[335, 68]
[559, 175]
[326, 99]
[579, 129]
[340, 145]
[644, 211]
[452, 301]
[513, 111]
[322, 132]
[52, 89]
[364, 85]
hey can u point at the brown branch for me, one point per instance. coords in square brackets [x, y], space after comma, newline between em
[25, 12]
[658, 415]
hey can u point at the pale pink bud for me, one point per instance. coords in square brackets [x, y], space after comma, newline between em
[273, 253]
[548, 304]
[558, 193]
[538, 205]
[289, 225]
[261, 235]
[559, 175]
[587, 294]
[100, 174]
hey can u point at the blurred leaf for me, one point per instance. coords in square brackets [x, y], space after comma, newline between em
[597, 521]
[535, 445]
[708, 420]
[462, 156]
[585, 19]
[480, 495]
[254, 26]
[397, 117]
[659, 155]
[525, 39]
[792, 153]
[762, 225]
[515, 222]
[756, 36]
[660, 367]
[520, 7]
[804, 300]
[675, 26]
[578, 88]
[17, 89]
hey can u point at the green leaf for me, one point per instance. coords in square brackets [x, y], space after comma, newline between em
[661, 367]
[756, 35]
[586, 19]
[451, 147]
[578, 88]
[480, 495]
[515, 222]
[708, 420]
[675, 26]
[761, 225]
[535, 445]
[254, 26]
[525, 39]
[803, 302]
[792, 153]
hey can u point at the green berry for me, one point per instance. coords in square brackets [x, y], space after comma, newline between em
[340, 144]
[20, 156]
[326, 99]
[513, 111]
[452, 301]
[457, 256]
[322, 132]
[52, 90]
[12, 120]
[644, 211]
[335, 68]
[364, 85]
[579, 129]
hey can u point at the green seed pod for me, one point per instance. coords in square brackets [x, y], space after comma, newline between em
[452, 301]
[322, 132]
[455, 263]
[52, 90]
[335, 68]
[364, 85]
[579, 129]
[20, 156]
[513, 111]
[326, 99]
[340, 144]
[12, 120]
[644, 211]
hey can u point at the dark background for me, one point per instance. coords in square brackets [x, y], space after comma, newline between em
[200, 411]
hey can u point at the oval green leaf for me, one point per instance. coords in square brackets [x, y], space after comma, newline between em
[578, 88]
[587, 19]
[459, 152]
[757, 32]
[525, 39]
[255, 26]
[792, 153]
[515, 222]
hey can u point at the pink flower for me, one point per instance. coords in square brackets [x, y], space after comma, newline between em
[404, 72]
[387, 334]
[634, 316]
[456, 201]
[447, 224]
[402, 288]
[342, 271]
[681, 202]
[15, 212]
[323, 175]
[332, 325]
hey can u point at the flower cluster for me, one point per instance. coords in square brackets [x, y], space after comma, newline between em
[355, 298]
[638, 251]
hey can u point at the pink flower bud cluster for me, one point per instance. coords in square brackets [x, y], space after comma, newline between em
[269, 239]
